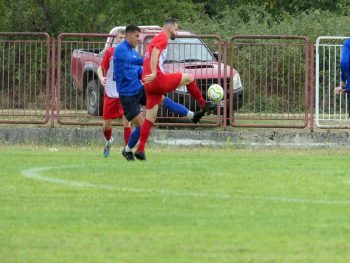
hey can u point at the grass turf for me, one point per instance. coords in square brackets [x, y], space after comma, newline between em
[183, 205]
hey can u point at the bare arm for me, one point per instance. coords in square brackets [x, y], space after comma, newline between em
[101, 75]
[154, 62]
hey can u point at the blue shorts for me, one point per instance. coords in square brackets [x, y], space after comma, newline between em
[131, 104]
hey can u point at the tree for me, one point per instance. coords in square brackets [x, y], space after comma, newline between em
[56, 16]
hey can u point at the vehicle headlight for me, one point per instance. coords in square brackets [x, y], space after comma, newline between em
[237, 82]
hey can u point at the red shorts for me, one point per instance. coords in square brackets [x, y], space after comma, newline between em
[161, 85]
[112, 108]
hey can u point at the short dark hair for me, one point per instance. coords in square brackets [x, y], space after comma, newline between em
[169, 21]
[132, 29]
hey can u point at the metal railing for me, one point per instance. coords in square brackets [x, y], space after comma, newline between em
[331, 110]
[274, 72]
[266, 79]
[25, 78]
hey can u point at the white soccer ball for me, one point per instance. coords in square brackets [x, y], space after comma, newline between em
[215, 93]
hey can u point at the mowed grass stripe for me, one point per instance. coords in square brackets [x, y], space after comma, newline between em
[195, 205]
[35, 174]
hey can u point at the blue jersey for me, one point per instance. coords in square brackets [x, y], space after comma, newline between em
[345, 64]
[127, 69]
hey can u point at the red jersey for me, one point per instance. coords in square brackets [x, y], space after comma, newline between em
[106, 58]
[160, 41]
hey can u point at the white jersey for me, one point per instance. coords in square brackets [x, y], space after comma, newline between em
[162, 58]
[111, 86]
[107, 62]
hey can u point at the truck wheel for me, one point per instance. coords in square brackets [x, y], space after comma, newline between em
[94, 98]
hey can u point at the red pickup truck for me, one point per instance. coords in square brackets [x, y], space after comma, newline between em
[187, 53]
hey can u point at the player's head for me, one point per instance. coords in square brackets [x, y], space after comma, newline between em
[170, 27]
[132, 34]
[120, 36]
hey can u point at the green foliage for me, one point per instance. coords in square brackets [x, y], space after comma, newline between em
[220, 17]
[297, 6]
[58, 16]
[224, 17]
[256, 20]
[23, 74]
[277, 7]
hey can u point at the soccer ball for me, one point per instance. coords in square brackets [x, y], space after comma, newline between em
[215, 93]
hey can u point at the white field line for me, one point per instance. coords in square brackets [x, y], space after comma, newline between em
[34, 173]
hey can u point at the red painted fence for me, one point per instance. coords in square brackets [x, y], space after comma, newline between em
[267, 80]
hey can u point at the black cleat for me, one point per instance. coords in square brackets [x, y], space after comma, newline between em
[129, 156]
[209, 107]
[140, 156]
[197, 116]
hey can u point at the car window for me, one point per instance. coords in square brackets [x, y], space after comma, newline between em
[183, 50]
[188, 50]
[142, 47]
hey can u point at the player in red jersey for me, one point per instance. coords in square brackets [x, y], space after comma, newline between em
[157, 82]
[112, 108]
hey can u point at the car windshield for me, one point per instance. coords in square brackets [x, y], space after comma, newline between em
[187, 50]
[183, 50]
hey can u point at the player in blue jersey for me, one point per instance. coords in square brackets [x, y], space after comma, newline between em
[344, 68]
[344, 87]
[127, 73]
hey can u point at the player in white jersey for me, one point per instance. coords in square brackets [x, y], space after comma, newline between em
[112, 108]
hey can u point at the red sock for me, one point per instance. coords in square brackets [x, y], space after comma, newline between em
[107, 134]
[195, 92]
[144, 134]
[127, 134]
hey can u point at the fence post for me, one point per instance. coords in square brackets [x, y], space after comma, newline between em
[225, 83]
[312, 85]
[53, 94]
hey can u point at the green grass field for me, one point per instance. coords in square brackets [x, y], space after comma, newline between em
[68, 204]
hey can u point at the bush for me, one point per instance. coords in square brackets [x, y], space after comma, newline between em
[255, 20]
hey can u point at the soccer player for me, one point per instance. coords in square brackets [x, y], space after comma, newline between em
[112, 108]
[128, 72]
[157, 82]
[344, 68]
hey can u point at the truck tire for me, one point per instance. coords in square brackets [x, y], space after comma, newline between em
[94, 98]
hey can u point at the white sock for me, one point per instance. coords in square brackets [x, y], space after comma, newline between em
[128, 149]
[190, 115]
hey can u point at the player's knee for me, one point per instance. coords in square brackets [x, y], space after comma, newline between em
[188, 78]
[151, 114]
[151, 119]
[126, 124]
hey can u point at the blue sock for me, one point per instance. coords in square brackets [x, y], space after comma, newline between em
[174, 107]
[134, 137]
